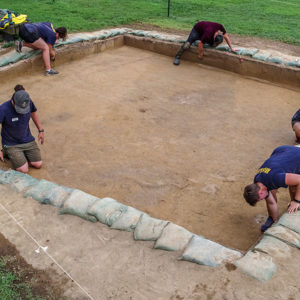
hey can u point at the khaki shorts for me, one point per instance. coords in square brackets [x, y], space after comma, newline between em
[19, 155]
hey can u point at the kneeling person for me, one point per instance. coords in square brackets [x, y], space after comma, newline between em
[281, 169]
[18, 143]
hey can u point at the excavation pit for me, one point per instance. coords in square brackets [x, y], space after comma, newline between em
[179, 143]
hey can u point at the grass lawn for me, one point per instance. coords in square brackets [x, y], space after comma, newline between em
[272, 19]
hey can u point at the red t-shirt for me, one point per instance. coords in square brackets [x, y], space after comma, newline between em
[207, 30]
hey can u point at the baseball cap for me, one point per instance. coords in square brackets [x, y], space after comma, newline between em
[22, 102]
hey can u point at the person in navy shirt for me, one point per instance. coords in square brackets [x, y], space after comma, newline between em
[41, 36]
[296, 125]
[17, 141]
[281, 169]
[207, 33]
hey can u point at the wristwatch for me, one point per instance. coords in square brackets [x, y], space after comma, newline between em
[42, 130]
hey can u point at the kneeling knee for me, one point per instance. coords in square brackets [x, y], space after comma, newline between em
[36, 164]
[23, 169]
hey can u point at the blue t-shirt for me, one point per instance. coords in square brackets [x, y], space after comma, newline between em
[15, 127]
[46, 31]
[284, 159]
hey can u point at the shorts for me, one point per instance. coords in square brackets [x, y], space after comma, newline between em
[29, 33]
[20, 154]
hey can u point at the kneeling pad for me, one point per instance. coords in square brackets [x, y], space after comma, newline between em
[208, 253]
[77, 204]
[173, 238]
[127, 220]
[106, 210]
[48, 193]
[148, 228]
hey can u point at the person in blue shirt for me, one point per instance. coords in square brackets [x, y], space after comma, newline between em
[296, 125]
[281, 169]
[17, 141]
[41, 36]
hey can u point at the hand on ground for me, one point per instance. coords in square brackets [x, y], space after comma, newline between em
[293, 207]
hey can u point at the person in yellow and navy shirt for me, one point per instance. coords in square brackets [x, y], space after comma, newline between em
[281, 169]
[41, 36]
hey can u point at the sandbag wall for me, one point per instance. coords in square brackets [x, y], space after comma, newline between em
[257, 263]
[278, 67]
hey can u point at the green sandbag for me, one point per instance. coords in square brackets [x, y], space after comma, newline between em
[257, 265]
[284, 234]
[127, 220]
[148, 228]
[106, 210]
[138, 33]
[173, 238]
[48, 193]
[273, 247]
[77, 204]
[246, 51]
[208, 253]
[72, 40]
[13, 56]
[18, 181]
[223, 48]
[295, 63]
[10, 57]
[261, 55]
[275, 60]
[291, 221]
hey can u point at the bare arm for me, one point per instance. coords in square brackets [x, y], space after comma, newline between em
[200, 49]
[51, 51]
[293, 181]
[36, 120]
[272, 207]
[226, 37]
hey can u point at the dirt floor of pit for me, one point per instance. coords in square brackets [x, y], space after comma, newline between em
[109, 264]
[179, 143]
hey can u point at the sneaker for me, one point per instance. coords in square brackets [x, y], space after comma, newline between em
[19, 45]
[176, 61]
[51, 72]
[267, 224]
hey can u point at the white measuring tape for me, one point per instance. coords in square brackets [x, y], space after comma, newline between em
[45, 251]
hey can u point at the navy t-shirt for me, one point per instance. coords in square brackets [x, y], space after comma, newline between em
[207, 30]
[46, 31]
[284, 159]
[15, 127]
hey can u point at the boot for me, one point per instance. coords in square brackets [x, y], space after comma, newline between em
[185, 46]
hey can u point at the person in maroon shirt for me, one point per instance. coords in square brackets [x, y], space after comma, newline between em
[208, 33]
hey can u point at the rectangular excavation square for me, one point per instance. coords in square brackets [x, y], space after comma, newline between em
[179, 143]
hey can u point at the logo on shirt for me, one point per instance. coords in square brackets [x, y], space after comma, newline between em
[15, 119]
[264, 170]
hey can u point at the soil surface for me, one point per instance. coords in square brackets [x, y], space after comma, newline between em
[44, 283]
[179, 143]
[109, 264]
